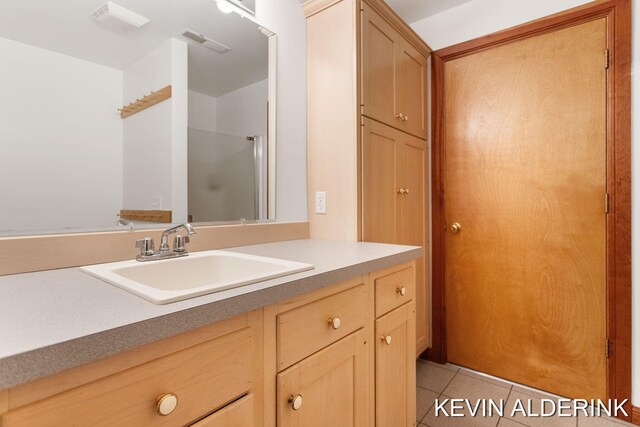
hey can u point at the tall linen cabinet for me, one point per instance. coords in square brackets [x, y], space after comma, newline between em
[367, 131]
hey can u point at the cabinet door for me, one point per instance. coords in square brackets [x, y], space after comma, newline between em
[237, 414]
[411, 75]
[332, 386]
[396, 368]
[412, 223]
[379, 50]
[379, 187]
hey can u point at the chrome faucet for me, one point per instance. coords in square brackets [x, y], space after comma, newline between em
[164, 241]
[147, 246]
[125, 222]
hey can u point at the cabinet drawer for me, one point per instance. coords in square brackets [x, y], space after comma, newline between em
[306, 329]
[203, 377]
[237, 414]
[390, 289]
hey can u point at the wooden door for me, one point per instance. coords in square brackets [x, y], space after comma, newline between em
[411, 90]
[396, 368]
[379, 49]
[525, 155]
[412, 222]
[332, 383]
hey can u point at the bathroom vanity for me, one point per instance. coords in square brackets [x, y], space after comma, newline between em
[329, 346]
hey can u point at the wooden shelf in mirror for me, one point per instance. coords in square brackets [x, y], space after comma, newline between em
[146, 215]
[147, 101]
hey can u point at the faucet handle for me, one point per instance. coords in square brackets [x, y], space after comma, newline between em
[179, 243]
[146, 245]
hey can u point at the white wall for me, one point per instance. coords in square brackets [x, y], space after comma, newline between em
[202, 111]
[238, 112]
[285, 18]
[155, 139]
[60, 113]
[179, 128]
[147, 134]
[481, 17]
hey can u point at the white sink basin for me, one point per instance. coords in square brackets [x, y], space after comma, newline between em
[200, 273]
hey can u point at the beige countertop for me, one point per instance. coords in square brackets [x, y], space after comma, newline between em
[59, 319]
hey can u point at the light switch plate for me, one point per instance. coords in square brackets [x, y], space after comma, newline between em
[321, 202]
[156, 202]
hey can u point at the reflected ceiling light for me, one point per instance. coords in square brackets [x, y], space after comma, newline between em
[204, 41]
[224, 6]
[110, 10]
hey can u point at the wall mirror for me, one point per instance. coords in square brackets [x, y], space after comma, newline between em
[152, 112]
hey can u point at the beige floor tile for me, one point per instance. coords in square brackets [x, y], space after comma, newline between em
[432, 376]
[493, 380]
[465, 421]
[535, 392]
[424, 401]
[535, 404]
[448, 366]
[472, 388]
[505, 422]
[601, 422]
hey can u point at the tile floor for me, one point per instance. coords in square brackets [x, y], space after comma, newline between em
[448, 381]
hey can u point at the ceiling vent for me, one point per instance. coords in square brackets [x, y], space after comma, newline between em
[204, 41]
[110, 11]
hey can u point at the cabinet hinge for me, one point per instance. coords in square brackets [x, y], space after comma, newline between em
[606, 58]
[606, 203]
[607, 347]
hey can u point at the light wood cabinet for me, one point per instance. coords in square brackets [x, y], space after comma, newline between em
[306, 329]
[221, 367]
[328, 388]
[367, 118]
[395, 368]
[317, 359]
[394, 202]
[393, 76]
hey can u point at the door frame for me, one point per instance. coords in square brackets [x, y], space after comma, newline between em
[618, 270]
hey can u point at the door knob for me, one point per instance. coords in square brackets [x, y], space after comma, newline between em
[386, 339]
[401, 290]
[455, 228]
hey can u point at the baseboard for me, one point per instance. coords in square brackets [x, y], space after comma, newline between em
[635, 415]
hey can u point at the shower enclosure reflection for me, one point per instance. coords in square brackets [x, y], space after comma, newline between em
[227, 176]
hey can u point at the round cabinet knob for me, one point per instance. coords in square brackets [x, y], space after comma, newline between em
[335, 322]
[400, 116]
[401, 290]
[405, 118]
[166, 404]
[401, 191]
[386, 339]
[406, 191]
[455, 228]
[295, 402]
